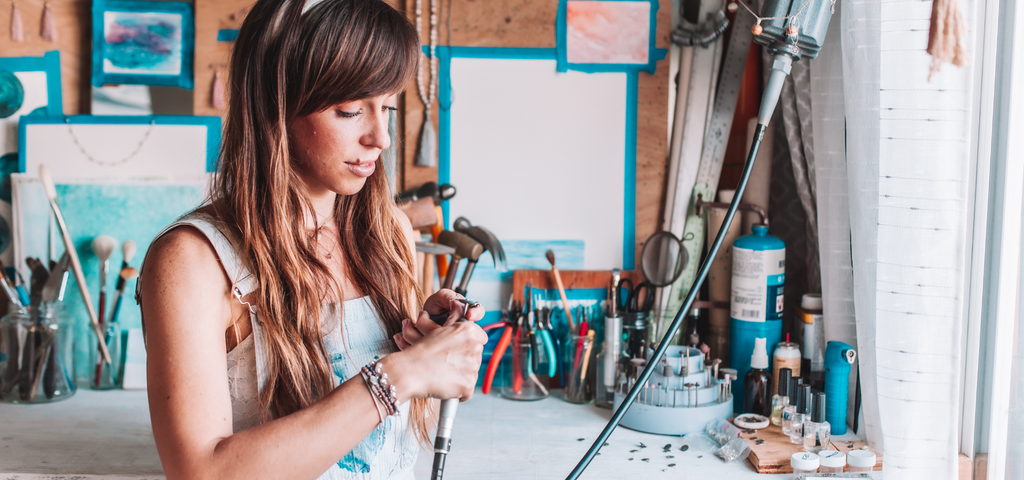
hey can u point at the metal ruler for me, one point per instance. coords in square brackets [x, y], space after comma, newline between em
[690, 227]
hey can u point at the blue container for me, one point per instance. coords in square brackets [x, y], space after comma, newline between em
[839, 359]
[758, 278]
[741, 347]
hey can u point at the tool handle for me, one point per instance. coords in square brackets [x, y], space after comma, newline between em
[449, 278]
[561, 293]
[76, 268]
[549, 347]
[492, 365]
[465, 278]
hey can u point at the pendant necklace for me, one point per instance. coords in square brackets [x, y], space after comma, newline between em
[428, 138]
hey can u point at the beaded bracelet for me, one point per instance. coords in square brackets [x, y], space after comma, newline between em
[377, 381]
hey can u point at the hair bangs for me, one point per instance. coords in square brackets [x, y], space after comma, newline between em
[355, 50]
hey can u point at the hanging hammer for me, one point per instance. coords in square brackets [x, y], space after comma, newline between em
[486, 238]
[465, 247]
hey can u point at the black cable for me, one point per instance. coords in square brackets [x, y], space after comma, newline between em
[702, 274]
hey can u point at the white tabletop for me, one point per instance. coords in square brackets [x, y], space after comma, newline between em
[107, 435]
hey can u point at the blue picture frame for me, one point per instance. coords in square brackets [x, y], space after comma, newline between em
[212, 124]
[653, 55]
[156, 47]
[49, 63]
[444, 98]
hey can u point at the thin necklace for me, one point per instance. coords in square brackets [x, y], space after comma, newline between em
[330, 253]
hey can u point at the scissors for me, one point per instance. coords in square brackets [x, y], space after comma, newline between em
[633, 303]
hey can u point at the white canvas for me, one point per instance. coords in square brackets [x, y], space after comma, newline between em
[105, 152]
[525, 176]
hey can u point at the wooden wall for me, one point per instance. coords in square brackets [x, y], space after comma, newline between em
[531, 24]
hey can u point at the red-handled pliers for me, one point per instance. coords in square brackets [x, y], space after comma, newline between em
[492, 365]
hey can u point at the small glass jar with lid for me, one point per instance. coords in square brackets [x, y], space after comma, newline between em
[832, 462]
[861, 460]
[804, 464]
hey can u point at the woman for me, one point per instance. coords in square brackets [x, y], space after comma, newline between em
[262, 307]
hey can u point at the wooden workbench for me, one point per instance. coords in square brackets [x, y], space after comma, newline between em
[99, 435]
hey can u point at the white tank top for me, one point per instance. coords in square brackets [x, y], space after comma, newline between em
[390, 450]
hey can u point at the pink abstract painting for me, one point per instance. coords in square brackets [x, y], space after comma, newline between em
[607, 31]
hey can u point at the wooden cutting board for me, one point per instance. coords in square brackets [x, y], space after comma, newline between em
[773, 455]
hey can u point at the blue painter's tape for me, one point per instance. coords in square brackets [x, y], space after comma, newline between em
[48, 63]
[211, 123]
[227, 35]
[183, 79]
[444, 144]
[653, 54]
[629, 177]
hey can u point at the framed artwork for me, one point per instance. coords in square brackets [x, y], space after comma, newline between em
[102, 148]
[607, 35]
[29, 86]
[143, 43]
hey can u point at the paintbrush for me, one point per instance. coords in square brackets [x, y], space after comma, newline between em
[128, 249]
[103, 246]
[76, 265]
[561, 289]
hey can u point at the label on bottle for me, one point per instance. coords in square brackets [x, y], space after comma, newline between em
[757, 284]
[813, 340]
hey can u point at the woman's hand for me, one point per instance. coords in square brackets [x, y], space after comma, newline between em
[442, 364]
[443, 301]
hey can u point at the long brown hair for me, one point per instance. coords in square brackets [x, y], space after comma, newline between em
[286, 64]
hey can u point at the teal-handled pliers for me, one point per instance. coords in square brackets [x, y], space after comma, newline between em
[540, 332]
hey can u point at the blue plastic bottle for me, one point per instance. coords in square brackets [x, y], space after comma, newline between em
[758, 277]
[839, 359]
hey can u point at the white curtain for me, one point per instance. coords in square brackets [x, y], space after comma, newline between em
[833, 206]
[908, 166]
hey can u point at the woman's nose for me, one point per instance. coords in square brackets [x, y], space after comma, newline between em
[378, 136]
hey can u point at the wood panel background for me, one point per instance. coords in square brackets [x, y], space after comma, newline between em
[74, 32]
[531, 24]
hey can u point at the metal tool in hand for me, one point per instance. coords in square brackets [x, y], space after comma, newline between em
[446, 417]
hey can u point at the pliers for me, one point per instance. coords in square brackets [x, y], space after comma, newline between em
[542, 327]
[499, 349]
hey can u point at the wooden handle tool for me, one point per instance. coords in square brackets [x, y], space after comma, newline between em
[76, 265]
[561, 289]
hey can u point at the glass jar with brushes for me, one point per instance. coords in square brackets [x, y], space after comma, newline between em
[36, 354]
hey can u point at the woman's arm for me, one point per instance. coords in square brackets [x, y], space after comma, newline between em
[187, 306]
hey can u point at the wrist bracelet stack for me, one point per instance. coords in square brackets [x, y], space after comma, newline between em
[382, 390]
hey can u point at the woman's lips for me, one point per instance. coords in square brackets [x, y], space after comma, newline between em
[362, 169]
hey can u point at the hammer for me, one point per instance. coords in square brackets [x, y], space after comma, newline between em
[465, 247]
[486, 238]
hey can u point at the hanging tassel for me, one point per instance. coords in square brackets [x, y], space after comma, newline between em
[217, 92]
[49, 28]
[945, 37]
[428, 144]
[17, 33]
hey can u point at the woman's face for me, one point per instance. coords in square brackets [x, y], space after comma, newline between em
[337, 149]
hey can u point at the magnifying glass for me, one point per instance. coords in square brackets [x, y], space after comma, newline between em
[663, 259]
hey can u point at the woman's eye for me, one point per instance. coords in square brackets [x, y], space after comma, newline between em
[388, 108]
[344, 114]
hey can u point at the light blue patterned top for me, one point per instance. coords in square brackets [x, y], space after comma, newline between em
[390, 450]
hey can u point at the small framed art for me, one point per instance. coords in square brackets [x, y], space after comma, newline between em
[143, 43]
[607, 35]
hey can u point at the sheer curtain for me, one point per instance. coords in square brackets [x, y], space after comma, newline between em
[908, 165]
